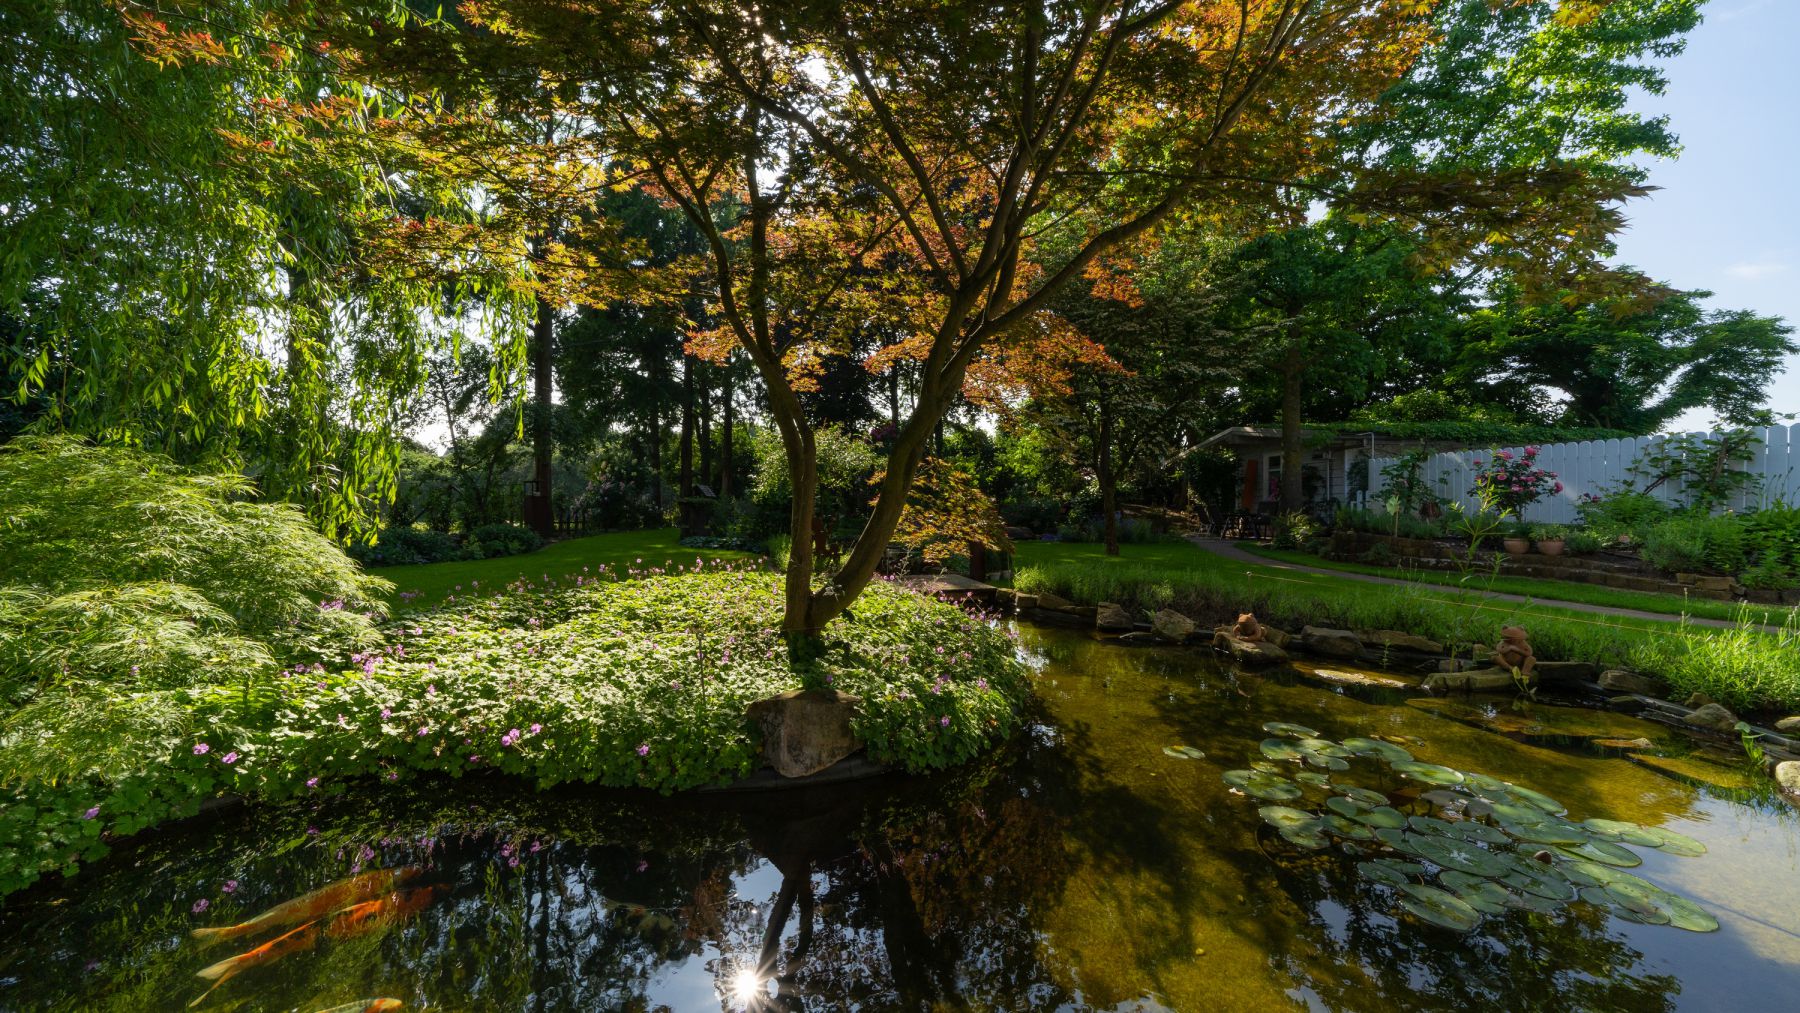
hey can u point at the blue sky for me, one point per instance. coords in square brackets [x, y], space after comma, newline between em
[1727, 218]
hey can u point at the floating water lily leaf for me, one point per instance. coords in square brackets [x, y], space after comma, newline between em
[1619, 830]
[1282, 817]
[1267, 767]
[1430, 825]
[1430, 773]
[1309, 839]
[1484, 895]
[1512, 815]
[1375, 747]
[1338, 826]
[1284, 728]
[1469, 830]
[1363, 795]
[1605, 852]
[1438, 907]
[1482, 782]
[1324, 747]
[1674, 843]
[1313, 778]
[1281, 749]
[1390, 872]
[1685, 914]
[1538, 799]
[1261, 785]
[1539, 879]
[1459, 855]
[1549, 833]
[1183, 752]
[1443, 798]
[1344, 806]
[1392, 837]
[1326, 761]
[1380, 816]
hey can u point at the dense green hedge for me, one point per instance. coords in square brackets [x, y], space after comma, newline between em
[617, 682]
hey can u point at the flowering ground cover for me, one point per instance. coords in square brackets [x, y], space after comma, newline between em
[601, 679]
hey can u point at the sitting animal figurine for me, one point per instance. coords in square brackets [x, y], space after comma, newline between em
[1513, 652]
[1248, 628]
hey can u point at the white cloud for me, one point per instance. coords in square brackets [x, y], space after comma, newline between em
[1757, 270]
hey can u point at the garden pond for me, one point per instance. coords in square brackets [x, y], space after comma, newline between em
[1101, 861]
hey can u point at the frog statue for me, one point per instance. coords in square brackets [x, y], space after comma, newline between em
[1247, 628]
[1513, 652]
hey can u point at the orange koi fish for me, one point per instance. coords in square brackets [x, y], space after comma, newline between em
[299, 939]
[366, 1006]
[316, 904]
[372, 914]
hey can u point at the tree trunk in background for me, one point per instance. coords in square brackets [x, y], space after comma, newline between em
[537, 505]
[1109, 492]
[656, 482]
[707, 476]
[726, 464]
[1292, 491]
[684, 475]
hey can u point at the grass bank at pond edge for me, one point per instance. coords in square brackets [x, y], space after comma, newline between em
[1743, 667]
[1551, 590]
[427, 585]
[615, 682]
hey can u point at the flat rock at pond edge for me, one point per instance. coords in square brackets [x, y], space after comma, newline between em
[1172, 626]
[1788, 724]
[1394, 639]
[1712, 717]
[1331, 643]
[1618, 680]
[1280, 638]
[1479, 681]
[806, 730]
[1787, 774]
[1565, 673]
[1051, 601]
[1252, 653]
[1110, 617]
[1355, 677]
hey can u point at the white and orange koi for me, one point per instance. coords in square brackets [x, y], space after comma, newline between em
[372, 914]
[302, 938]
[316, 904]
[366, 1006]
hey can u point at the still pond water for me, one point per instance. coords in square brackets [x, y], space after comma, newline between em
[1082, 868]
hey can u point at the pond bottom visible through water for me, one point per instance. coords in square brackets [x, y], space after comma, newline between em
[1081, 868]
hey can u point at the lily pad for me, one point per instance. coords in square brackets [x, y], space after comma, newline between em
[1604, 852]
[1538, 799]
[1469, 830]
[1459, 855]
[1338, 826]
[1285, 728]
[1484, 895]
[1317, 780]
[1549, 833]
[1430, 773]
[1389, 871]
[1183, 752]
[1268, 768]
[1283, 817]
[1438, 907]
[1380, 816]
[1375, 747]
[1261, 785]
[1674, 843]
[1430, 825]
[1539, 879]
[1619, 830]
[1362, 795]
[1281, 749]
[1344, 806]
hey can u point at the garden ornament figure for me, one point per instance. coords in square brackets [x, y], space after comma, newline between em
[1248, 628]
[1513, 652]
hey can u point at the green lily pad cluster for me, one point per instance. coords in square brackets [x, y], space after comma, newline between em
[1491, 846]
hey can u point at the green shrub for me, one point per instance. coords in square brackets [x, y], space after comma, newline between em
[503, 539]
[1039, 513]
[1622, 513]
[1773, 537]
[398, 546]
[1770, 575]
[122, 568]
[1549, 533]
[1581, 542]
[1688, 542]
[1293, 530]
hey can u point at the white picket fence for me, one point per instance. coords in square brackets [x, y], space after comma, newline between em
[1594, 466]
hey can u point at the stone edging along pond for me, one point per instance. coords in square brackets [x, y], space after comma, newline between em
[1577, 682]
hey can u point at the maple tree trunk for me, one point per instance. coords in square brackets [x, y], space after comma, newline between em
[1291, 406]
[803, 478]
[543, 331]
[656, 461]
[706, 433]
[684, 464]
[1109, 485]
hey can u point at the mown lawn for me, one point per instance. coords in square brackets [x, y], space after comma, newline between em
[428, 584]
[1545, 590]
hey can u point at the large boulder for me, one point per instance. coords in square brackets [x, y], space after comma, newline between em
[1618, 680]
[1788, 724]
[1280, 638]
[1053, 601]
[806, 730]
[1565, 673]
[1713, 718]
[1329, 642]
[1396, 640]
[1112, 618]
[1787, 774]
[1172, 626]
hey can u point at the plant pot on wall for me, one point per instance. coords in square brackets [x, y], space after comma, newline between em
[1516, 546]
[1550, 546]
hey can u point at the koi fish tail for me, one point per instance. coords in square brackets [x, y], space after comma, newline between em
[221, 932]
[218, 970]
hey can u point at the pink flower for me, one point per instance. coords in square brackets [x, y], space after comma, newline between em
[230, 886]
[536, 728]
[231, 757]
[312, 782]
[1558, 487]
[643, 749]
[91, 813]
[201, 749]
[201, 905]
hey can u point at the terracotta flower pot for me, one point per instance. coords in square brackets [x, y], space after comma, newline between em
[1551, 547]
[1516, 546]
